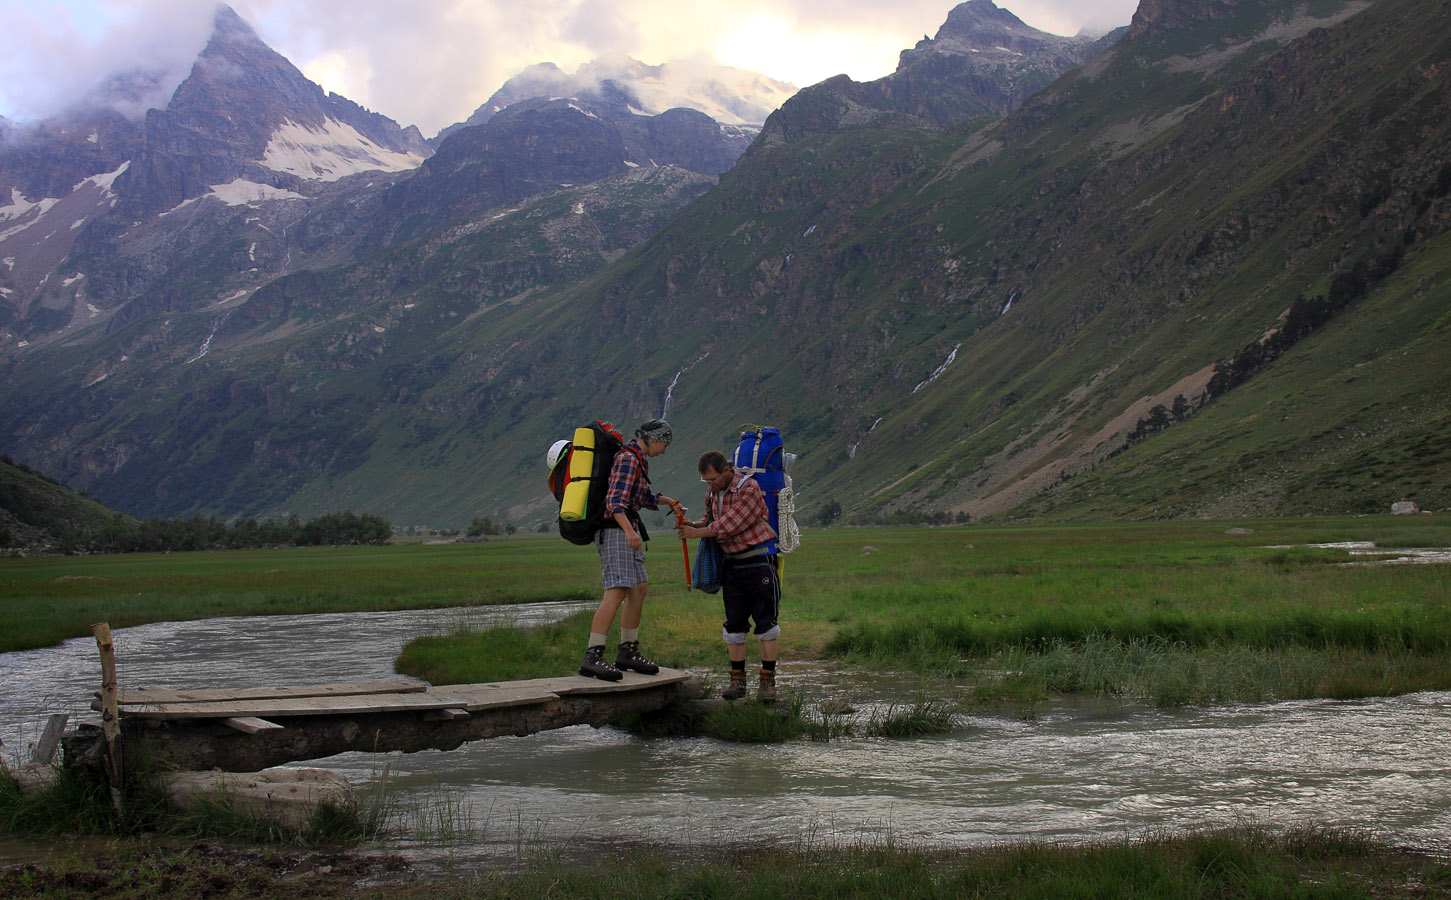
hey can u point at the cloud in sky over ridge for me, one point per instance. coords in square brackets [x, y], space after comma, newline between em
[433, 63]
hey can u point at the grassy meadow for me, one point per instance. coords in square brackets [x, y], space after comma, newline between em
[1173, 612]
[46, 599]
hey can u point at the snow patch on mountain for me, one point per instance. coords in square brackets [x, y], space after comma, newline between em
[19, 206]
[242, 192]
[336, 151]
[106, 180]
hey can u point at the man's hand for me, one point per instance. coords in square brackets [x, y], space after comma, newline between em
[633, 539]
[693, 531]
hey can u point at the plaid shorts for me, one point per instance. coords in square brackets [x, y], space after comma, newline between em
[620, 567]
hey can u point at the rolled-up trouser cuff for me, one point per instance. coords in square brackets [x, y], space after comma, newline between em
[733, 637]
[771, 633]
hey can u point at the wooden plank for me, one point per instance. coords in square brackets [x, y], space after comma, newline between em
[295, 706]
[633, 681]
[44, 750]
[500, 694]
[214, 695]
[308, 701]
[445, 715]
[479, 697]
[251, 724]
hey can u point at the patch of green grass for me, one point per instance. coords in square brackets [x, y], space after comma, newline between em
[742, 722]
[1171, 674]
[917, 720]
[749, 722]
[77, 801]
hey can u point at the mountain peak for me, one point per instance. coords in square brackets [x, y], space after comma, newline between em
[227, 25]
[981, 26]
[975, 15]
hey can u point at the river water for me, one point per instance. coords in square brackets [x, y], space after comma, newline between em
[1075, 772]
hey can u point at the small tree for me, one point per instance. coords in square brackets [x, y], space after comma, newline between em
[829, 513]
[482, 525]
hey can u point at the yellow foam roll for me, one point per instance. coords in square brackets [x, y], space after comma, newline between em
[581, 466]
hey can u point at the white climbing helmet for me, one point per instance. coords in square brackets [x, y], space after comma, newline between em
[556, 450]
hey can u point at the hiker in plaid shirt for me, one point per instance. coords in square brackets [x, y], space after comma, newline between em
[621, 542]
[736, 516]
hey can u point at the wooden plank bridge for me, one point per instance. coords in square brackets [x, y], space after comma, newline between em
[246, 730]
[251, 729]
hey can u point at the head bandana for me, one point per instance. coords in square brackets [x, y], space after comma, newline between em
[656, 430]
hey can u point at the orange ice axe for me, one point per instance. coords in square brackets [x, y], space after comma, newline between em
[684, 547]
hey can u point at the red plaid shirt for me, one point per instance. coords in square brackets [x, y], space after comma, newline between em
[737, 516]
[629, 489]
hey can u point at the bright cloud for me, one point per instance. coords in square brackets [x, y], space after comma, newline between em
[767, 43]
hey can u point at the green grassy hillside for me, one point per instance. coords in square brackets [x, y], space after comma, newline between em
[35, 510]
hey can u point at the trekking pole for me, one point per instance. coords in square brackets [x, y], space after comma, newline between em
[684, 547]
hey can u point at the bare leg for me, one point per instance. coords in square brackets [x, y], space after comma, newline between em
[768, 651]
[609, 605]
[634, 607]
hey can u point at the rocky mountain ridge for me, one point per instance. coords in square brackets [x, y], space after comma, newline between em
[984, 61]
[251, 172]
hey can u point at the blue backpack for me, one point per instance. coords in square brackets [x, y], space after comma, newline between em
[761, 456]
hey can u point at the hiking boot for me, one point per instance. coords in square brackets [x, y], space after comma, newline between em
[737, 688]
[629, 658]
[766, 689]
[594, 665]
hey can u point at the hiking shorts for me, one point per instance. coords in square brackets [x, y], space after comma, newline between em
[620, 567]
[751, 590]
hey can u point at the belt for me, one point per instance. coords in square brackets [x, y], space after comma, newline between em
[746, 554]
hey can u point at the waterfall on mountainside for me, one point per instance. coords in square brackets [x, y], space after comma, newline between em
[670, 391]
[940, 369]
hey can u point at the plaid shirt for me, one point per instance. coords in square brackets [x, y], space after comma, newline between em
[737, 516]
[629, 484]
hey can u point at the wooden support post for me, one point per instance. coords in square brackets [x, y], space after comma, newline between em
[110, 715]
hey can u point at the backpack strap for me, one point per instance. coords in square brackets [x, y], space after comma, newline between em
[755, 467]
[644, 466]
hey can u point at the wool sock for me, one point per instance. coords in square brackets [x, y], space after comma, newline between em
[768, 665]
[596, 640]
[738, 665]
[629, 634]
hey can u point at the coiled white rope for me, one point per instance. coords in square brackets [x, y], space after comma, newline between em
[789, 537]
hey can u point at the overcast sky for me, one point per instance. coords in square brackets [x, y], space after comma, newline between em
[432, 62]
